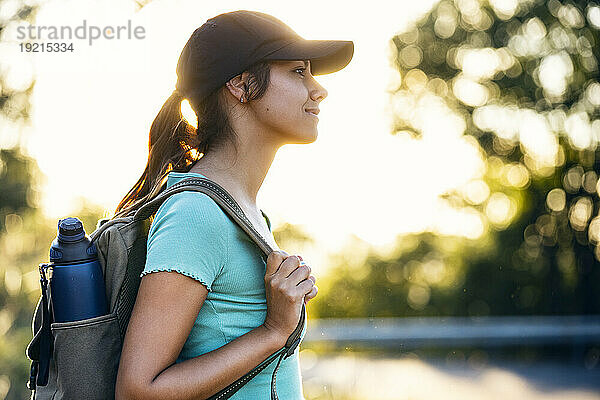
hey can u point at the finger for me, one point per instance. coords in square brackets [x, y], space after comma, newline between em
[305, 287]
[274, 261]
[299, 274]
[288, 266]
[312, 294]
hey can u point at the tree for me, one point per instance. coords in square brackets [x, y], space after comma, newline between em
[25, 233]
[18, 202]
[524, 78]
[518, 81]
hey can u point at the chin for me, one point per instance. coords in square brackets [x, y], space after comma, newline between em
[310, 139]
[303, 137]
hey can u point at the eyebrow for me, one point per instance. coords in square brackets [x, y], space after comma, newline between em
[305, 62]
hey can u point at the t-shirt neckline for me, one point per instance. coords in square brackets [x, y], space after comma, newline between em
[177, 174]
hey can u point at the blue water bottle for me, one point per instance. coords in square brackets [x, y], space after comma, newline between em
[77, 288]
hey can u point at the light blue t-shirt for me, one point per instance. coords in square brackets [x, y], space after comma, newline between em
[192, 235]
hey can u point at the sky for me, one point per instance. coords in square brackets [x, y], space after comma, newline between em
[92, 109]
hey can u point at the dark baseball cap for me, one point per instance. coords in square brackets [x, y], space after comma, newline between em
[228, 44]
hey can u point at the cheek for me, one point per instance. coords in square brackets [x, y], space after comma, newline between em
[283, 104]
[287, 93]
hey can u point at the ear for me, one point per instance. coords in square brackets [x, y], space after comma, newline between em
[238, 86]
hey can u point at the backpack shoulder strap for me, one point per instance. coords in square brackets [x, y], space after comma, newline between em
[218, 194]
[228, 203]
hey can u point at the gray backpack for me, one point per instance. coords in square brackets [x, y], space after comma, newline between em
[79, 360]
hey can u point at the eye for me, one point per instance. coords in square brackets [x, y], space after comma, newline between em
[302, 69]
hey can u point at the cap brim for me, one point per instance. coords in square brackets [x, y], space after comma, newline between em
[326, 56]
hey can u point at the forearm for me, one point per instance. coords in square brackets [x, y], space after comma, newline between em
[205, 375]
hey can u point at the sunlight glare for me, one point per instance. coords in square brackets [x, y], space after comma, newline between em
[500, 209]
[555, 71]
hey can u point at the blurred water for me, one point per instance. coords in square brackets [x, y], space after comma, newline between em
[353, 377]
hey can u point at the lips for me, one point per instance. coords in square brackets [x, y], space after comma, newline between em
[314, 111]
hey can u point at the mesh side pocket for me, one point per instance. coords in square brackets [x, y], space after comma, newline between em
[86, 357]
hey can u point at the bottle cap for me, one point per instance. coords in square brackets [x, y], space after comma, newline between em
[70, 230]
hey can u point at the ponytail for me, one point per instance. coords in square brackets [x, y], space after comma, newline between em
[175, 145]
[171, 146]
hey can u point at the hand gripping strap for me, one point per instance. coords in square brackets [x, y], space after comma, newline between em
[227, 203]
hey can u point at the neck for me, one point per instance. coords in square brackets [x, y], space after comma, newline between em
[241, 175]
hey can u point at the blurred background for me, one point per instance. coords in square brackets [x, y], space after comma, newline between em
[449, 208]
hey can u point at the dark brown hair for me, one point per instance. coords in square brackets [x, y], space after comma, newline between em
[175, 145]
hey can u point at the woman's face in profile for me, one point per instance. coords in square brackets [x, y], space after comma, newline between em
[290, 103]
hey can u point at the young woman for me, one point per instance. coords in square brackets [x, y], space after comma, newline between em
[208, 309]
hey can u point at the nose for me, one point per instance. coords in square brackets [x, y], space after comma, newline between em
[318, 92]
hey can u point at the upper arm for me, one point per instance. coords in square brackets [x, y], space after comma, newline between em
[186, 236]
[166, 307]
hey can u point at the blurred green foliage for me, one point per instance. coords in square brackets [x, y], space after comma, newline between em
[519, 81]
[25, 232]
[25, 238]
[22, 236]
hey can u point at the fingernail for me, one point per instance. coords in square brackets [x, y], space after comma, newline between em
[300, 257]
